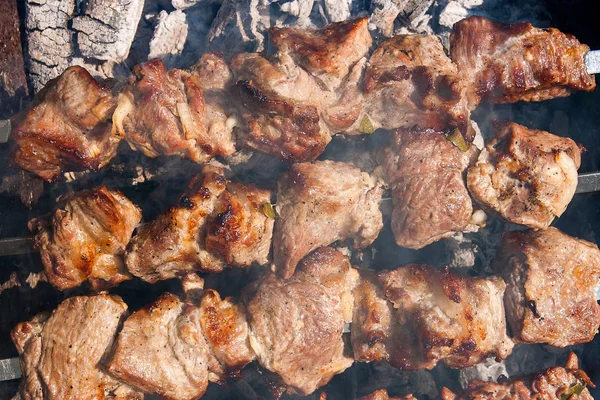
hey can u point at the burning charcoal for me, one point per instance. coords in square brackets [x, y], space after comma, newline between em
[526, 176]
[550, 279]
[169, 37]
[425, 172]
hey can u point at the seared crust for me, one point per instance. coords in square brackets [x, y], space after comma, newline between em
[383, 395]
[173, 244]
[417, 315]
[410, 81]
[164, 113]
[67, 128]
[429, 195]
[555, 383]
[85, 238]
[550, 278]
[239, 229]
[525, 175]
[505, 63]
[79, 332]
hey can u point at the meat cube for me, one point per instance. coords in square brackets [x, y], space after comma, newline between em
[215, 79]
[239, 230]
[383, 395]
[526, 176]
[423, 315]
[410, 81]
[67, 128]
[279, 107]
[550, 278]
[429, 196]
[161, 350]
[62, 352]
[322, 202]
[163, 112]
[224, 324]
[173, 244]
[297, 326]
[84, 239]
[328, 54]
[555, 383]
[505, 63]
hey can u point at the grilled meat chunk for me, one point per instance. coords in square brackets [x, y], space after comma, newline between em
[410, 81]
[297, 326]
[67, 128]
[525, 175]
[164, 113]
[429, 196]
[422, 315]
[161, 350]
[85, 238]
[77, 334]
[383, 395]
[328, 54]
[239, 230]
[555, 383]
[215, 79]
[550, 278]
[279, 107]
[505, 63]
[224, 324]
[322, 202]
[173, 244]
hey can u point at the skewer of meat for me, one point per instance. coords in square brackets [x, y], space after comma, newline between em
[413, 317]
[291, 103]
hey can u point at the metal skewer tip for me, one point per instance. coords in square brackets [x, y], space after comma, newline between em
[5, 128]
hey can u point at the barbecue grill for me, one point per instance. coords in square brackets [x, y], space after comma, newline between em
[157, 183]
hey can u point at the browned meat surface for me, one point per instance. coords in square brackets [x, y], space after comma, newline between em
[429, 196]
[225, 327]
[556, 383]
[329, 54]
[67, 128]
[161, 350]
[383, 395]
[173, 244]
[239, 230]
[216, 223]
[61, 352]
[410, 81]
[550, 278]
[422, 315]
[296, 324]
[163, 112]
[506, 63]
[279, 108]
[525, 175]
[84, 239]
[320, 203]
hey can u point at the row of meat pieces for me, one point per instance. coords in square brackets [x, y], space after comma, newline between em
[412, 317]
[525, 176]
[289, 103]
[556, 383]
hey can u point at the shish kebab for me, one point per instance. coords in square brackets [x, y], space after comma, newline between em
[412, 317]
[317, 83]
[88, 238]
